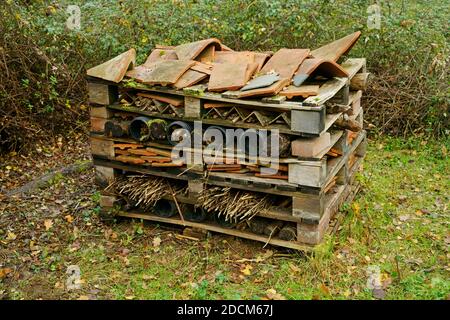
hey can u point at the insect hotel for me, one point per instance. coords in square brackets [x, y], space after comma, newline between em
[286, 127]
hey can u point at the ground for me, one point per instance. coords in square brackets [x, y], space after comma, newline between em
[397, 228]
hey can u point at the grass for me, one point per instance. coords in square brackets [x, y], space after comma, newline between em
[398, 225]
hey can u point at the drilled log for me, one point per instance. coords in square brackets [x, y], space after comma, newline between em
[349, 124]
[257, 225]
[359, 81]
[273, 228]
[288, 233]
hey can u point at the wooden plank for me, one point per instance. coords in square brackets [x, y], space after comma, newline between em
[355, 102]
[306, 121]
[192, 108]
[334, 165]
[309, 173]
[215, 228]
[195, 187]
[310, 147]
[182, 174]
[104, 175]
[354, 65]
[97, 124]
[313, 233]
[335, 137]
[330, 119]
[100, 112]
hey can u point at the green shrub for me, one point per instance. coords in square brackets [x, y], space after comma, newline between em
[408, 55]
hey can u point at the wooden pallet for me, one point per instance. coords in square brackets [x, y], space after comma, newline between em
[308, 233]
[316, 186]
[302, 174]
[309, 117]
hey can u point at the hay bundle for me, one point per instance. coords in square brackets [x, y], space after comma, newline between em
[143, 191]
[234, 205]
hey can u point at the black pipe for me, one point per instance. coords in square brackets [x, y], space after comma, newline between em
[180, 131]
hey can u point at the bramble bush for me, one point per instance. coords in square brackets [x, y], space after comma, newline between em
[408, 55]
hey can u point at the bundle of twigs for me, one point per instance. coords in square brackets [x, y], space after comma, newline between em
[143, 191]
[234, 205]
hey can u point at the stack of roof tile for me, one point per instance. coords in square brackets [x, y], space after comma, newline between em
[285, 72]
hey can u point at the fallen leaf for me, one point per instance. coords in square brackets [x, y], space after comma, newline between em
[272, 294]
[69, 218]
[4, 272]
[378, 293]
[324, 289]
[404, 217]
[156, 242]
[48, 223]
[247, 270]
[11, 236]
[294, 268]
[265, 256]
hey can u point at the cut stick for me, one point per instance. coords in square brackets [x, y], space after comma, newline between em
[274, 176]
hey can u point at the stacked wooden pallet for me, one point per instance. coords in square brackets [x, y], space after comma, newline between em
[292, 207]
